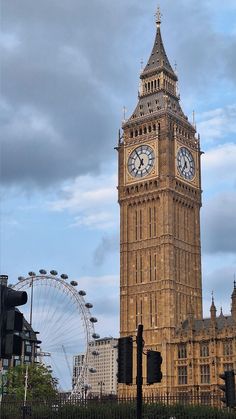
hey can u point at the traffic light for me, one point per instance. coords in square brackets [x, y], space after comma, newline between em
[229, 388]
[125, 360]
[154, 361]
[11, 321]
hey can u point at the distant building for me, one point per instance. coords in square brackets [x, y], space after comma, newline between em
[78, 361]
[104, 380]
[103, 360]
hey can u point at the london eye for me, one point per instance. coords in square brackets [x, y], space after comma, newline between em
[57, 309]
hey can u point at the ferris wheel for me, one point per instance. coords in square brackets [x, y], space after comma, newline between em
[58, 311]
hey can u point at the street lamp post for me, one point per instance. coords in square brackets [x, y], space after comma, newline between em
[101, 383]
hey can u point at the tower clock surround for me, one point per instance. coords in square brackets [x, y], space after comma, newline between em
[141, 161]
[160, 198]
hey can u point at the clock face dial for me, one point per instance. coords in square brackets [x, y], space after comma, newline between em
[141, 161]
[185, 163]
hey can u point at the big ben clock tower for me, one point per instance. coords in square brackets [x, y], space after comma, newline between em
[160, 199]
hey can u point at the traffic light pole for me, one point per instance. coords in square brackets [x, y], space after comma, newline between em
[139, 370]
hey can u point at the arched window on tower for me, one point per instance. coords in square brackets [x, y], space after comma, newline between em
[154, 222]
[182, 351]
[141, 310]
[150, 222]
[156, 314]
[155, 267]
[136, 268]
[136, 312]
[150, 267]
[150, 309]
[140, 224]
[136, 224]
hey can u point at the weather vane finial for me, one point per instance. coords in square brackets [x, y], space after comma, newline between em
[158, 17]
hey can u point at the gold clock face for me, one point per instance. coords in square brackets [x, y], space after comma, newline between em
[141, 161]
[185, 163]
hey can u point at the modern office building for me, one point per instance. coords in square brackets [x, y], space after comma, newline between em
[102, 380]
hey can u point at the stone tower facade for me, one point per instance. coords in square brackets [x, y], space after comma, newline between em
[160, 199]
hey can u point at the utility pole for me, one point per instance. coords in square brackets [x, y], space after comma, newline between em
[139, 370]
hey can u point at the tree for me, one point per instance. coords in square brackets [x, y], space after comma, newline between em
[41, 385]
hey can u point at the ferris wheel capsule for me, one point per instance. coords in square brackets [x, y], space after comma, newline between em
[21, 278]
[43, 272]
[82, 292]
[53, 272]
[95, 336]
[31, 273]
[89, 305]
[73, 283]
[64, 276]
[93, 319]
[92, 370]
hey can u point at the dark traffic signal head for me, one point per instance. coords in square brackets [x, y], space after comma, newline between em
[229, 388]
[11, 321]
[154, 361]
[125, 360]
[12, 298]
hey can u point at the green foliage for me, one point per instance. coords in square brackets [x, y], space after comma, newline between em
[41, 385]
[110, 410]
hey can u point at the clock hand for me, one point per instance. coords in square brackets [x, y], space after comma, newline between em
[141, 163]
[185, 166]
[138, 156]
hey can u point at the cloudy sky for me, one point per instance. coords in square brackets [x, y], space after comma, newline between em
[67, 69]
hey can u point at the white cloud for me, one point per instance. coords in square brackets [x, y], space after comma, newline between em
[103, 291]
[91, 199]
[219, 166]
[219, 224]
[27, 123]
[219, 279]
[217, 123]
[9, 40]
[102, 220]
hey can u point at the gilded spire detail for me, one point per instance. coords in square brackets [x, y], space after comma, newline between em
[158, 17]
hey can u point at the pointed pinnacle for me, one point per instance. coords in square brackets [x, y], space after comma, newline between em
[158, 17]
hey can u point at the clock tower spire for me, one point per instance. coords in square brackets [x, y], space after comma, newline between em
[160, 199]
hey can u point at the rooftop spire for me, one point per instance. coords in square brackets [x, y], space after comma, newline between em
[212, 297]
[158, 60]
[213, 308]
[158, 17]
[233, 296]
